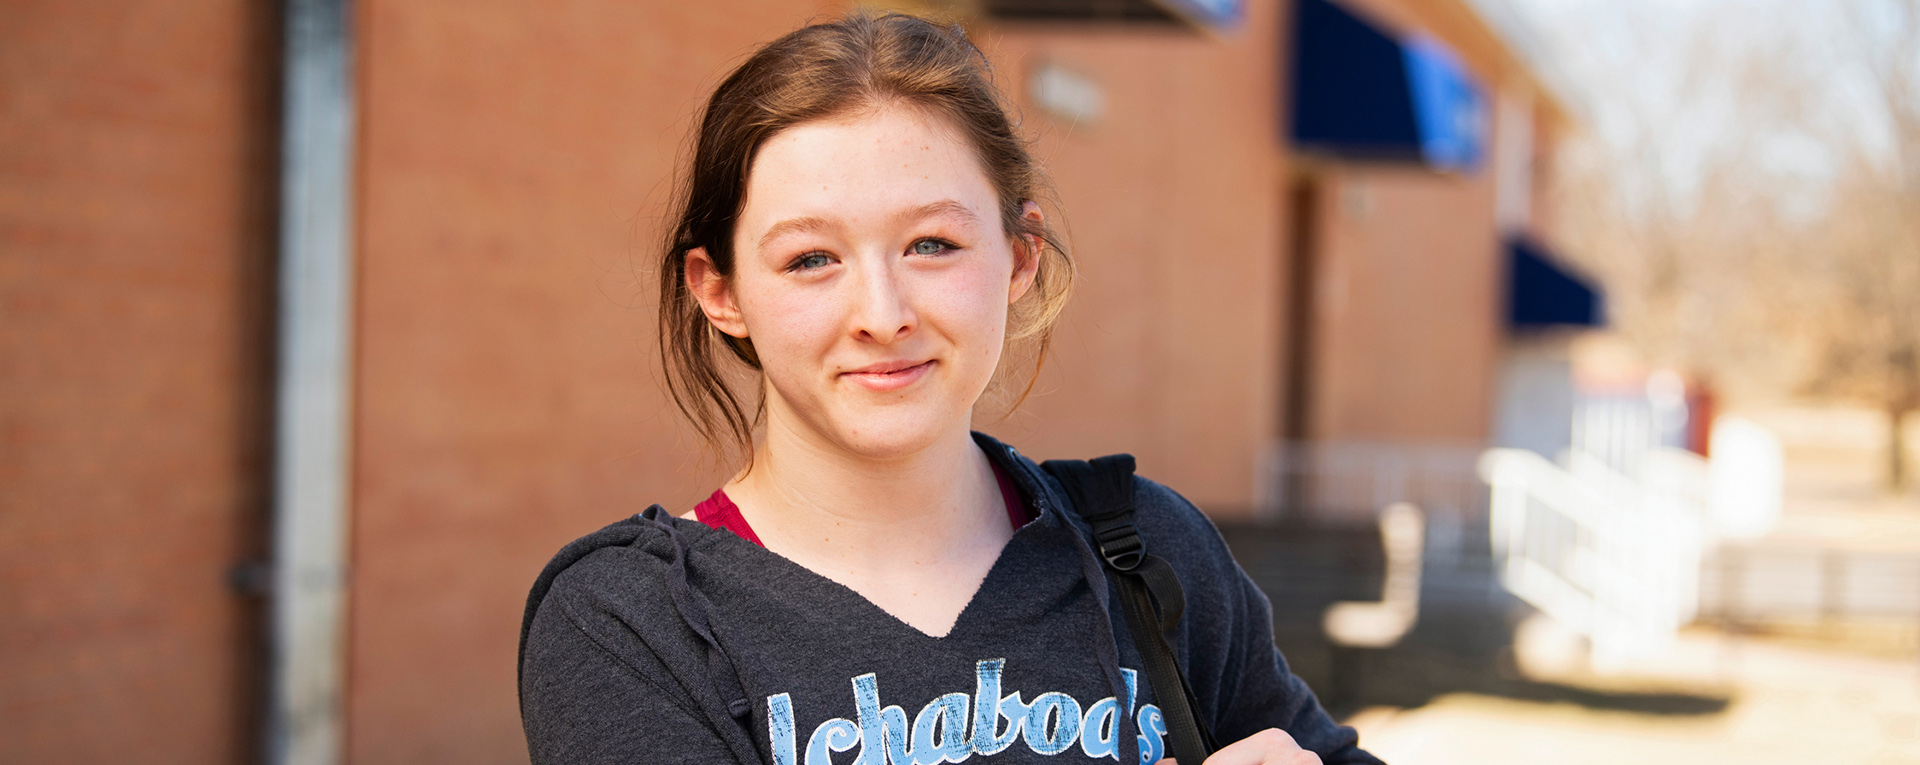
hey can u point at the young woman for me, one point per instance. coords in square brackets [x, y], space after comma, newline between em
[878, 584]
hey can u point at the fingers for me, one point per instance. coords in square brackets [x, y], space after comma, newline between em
[1268, 747]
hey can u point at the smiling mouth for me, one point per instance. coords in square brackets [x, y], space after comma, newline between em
[888, 376]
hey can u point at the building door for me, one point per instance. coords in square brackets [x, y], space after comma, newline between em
[1301, 273]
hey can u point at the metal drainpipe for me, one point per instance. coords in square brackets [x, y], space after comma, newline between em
[307, 663]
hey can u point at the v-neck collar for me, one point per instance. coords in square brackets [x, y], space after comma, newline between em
[1033, 491]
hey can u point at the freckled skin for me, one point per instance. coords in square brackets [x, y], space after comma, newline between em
[873, 276]
[876, 301]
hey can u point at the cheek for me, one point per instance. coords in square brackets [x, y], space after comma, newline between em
[788, 324]
[971, 304]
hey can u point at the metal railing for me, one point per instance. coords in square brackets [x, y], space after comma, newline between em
[1614, 557]
[1610, 541]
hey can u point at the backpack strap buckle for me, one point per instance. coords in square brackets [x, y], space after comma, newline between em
[1120, 544]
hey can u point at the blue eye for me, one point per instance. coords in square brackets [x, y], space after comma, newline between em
[810, 261]
[931, 247]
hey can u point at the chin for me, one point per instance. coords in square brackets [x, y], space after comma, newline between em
[889, 435]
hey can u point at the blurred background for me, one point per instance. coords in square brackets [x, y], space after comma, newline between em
[1550, 363]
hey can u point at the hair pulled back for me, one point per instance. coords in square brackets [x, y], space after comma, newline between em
[819, 72]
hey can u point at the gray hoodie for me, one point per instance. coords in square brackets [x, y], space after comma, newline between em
[661, 640]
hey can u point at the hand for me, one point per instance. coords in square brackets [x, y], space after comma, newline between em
[1268, 747]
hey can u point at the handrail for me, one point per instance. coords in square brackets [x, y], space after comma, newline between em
[1614, 558]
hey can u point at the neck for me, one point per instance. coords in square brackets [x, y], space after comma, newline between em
[811, 500]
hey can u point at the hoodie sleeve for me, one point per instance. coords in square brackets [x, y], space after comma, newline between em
[1237, 671]
[581, 703]
[1269, 695]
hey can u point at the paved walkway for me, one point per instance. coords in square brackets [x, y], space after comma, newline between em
[1788, 704]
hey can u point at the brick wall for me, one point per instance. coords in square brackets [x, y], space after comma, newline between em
[137, 143]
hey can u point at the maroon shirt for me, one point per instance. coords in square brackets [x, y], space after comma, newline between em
[721, 513]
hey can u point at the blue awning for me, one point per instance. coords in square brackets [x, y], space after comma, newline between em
[1542, 293]
[1360, 93]
[1219, 14]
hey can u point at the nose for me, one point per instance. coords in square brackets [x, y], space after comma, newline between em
[883, 311]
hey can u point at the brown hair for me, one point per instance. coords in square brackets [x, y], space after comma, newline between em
[816, 72]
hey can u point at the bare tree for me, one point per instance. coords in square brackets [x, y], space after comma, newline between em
[1872, 236]
[1782, 250]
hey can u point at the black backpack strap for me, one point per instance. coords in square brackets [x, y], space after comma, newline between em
[1101, 491]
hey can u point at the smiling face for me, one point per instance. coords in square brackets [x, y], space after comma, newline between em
[873, 276]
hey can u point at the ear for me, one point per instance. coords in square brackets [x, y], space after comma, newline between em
[1026, 255]
[715, 293]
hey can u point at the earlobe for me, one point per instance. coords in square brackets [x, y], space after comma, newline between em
[714, 291]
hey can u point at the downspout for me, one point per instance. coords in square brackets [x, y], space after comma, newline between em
[313, 428]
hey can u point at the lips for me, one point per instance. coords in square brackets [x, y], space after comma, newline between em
[888, 375]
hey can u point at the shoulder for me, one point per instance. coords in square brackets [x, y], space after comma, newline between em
[611, 667]
[627, 596]
[1155, 503]
[1176, 530]
[1171, 526]
[589, 586]
[632, 568]
[612, 559]
[613, 591]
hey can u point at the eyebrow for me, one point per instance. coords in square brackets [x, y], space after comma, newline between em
[793, 226]
[942, 208]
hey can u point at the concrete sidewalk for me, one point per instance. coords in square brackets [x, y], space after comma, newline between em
[1788, 704]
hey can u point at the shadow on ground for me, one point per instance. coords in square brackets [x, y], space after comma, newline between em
[1462, 643]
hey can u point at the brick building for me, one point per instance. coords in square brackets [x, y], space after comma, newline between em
[502, 185]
